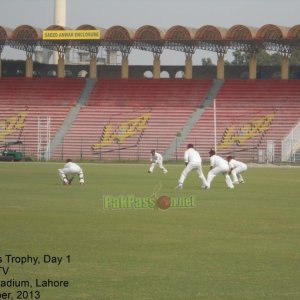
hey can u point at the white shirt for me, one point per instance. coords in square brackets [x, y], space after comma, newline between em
[73, 167]
[156, 157]
[218, 161]
[192, 156]
[235, 163]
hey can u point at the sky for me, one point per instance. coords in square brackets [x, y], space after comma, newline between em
[160, 13]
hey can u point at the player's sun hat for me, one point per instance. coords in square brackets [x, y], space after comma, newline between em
[211, 152]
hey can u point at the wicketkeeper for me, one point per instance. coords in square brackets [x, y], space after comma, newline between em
[68, 172]
[156, 158]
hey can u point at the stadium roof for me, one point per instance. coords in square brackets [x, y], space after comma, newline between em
[155, 39]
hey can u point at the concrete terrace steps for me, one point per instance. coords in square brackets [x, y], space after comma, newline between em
[40, 91]
[29, 134]
[171, 102]
[118, 100]
[240, 102]
[88, 127]
[141, 92]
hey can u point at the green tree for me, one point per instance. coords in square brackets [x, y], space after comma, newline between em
[295, 58]
[240, 58]
[264, 58]
[207, 62]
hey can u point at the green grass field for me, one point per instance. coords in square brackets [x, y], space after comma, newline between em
[234, 244]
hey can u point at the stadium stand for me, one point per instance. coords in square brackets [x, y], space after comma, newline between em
[23, 100]
[250, 114]
[40, 91]
[25, 129]
[124, 119]
[122, 103]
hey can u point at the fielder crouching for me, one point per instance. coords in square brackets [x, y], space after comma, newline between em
[218, 165]
[68, 172]
[156, 158]
[235, 169]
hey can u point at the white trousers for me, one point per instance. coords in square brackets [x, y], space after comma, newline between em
[71, 171]
[236, 173]
[192, 166]
[219, 170]
[160, 164]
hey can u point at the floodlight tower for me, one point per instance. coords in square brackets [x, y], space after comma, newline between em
[60, 9]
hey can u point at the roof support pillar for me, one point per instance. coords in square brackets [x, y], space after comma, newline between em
[285, 67]
[124, 68]
[220, 66]
[252, 66]
[156, 66]
[29, 65]
[188, 66]
[1, 48]
[93, 67]
[61, 66]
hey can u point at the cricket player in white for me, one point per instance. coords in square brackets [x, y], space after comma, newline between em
[71, 169]
[218, 165]
[156, 158]
[235, 169]
[192, 161]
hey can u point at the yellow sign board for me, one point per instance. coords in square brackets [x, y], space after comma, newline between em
[71, 34]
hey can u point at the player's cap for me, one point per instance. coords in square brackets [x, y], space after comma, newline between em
[152, 151]
[211, 152]
[190, 146]
[68, 160]
[229, 158]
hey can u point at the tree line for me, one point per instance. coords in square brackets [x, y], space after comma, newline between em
[264, 58]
